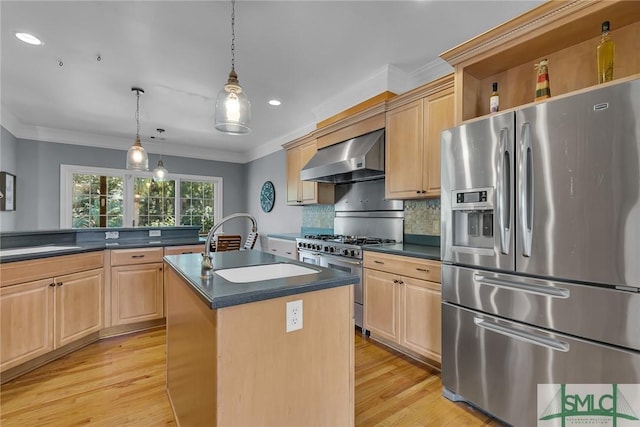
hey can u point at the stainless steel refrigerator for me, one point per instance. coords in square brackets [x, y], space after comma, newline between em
[541, 250]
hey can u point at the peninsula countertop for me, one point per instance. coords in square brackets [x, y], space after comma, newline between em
[216, 292]
[27, 245]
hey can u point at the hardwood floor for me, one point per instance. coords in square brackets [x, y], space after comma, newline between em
[121, 382]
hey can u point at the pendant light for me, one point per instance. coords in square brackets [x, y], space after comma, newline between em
[233, 109]
[137, 158]
[160, 172]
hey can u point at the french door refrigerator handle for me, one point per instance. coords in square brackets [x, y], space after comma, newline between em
[503, 188]
[531, 338]
[526, 188]
[531, 288]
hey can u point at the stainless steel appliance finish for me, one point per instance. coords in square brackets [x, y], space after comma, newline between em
[358, 159]
[496, 364]
[362, 218]
[540, 248]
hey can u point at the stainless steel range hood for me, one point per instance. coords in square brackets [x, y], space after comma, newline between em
[357, 159]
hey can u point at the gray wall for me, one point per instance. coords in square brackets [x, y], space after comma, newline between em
[8, 160]
[283, 218]
[38, 174]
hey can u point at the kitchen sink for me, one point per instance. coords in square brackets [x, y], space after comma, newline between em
[35, 250]
[257, 273]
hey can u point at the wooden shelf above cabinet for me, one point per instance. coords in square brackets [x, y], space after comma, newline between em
[564, 32]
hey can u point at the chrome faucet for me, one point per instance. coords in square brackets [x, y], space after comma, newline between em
[207, 265]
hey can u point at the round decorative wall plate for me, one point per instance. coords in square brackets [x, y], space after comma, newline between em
[267, 196]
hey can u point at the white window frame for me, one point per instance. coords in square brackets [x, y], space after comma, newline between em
[66, 182]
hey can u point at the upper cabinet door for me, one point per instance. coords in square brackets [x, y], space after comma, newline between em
[438, 116]
[403, 151]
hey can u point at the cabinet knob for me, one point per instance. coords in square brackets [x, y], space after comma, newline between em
[425, 270]
[424, 191]
[59, 284]
[417, 191]
[52, 284]
[378, 262]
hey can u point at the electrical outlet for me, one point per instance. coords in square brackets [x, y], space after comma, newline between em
[155, 233]
[111, 235]
[294, 315]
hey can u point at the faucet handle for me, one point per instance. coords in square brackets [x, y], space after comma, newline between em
[206, 262]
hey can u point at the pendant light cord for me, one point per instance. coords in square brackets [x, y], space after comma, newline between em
[233, 34]
[138, 113]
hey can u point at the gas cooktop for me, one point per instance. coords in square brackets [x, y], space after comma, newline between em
[348, 240]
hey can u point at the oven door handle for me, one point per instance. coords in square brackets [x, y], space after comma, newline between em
[342, 260]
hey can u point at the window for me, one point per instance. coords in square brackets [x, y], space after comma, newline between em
[96, 201]
[196, 203]
[154, 203]
[101, 197]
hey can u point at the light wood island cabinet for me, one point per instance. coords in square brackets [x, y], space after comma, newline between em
[137, 290]
[402, 302]
[414, 122]
[48, 305]
[237, 365]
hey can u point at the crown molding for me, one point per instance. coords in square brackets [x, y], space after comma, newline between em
[46, 134]
[429, 72]
[387, 78]
[277, 143]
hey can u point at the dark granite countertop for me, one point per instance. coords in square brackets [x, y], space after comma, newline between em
[217, 292]
[68, 242]
[407, 249]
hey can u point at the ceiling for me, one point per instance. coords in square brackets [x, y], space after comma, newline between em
[317, 57]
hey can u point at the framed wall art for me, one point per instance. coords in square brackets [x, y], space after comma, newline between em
[7, 191]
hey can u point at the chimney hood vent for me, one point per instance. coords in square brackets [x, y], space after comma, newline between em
[357, 159]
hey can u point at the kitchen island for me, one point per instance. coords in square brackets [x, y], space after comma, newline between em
[230, 359]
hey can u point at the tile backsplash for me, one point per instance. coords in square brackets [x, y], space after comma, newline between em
[422, 217]
[318, 216]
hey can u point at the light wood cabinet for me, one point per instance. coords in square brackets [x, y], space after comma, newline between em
[402, 302]
[43, 315]
[78, 305]
[507, 53]
[184, 249]
[300, 192]
[414, 122]
[26, 312]
[283, 247]
[137, 289]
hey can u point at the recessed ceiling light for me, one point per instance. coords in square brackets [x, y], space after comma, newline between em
[29, 38]
[274, 102]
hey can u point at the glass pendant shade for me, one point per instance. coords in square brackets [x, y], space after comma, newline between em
[233, 108]
[160, 172]
[137, 158]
